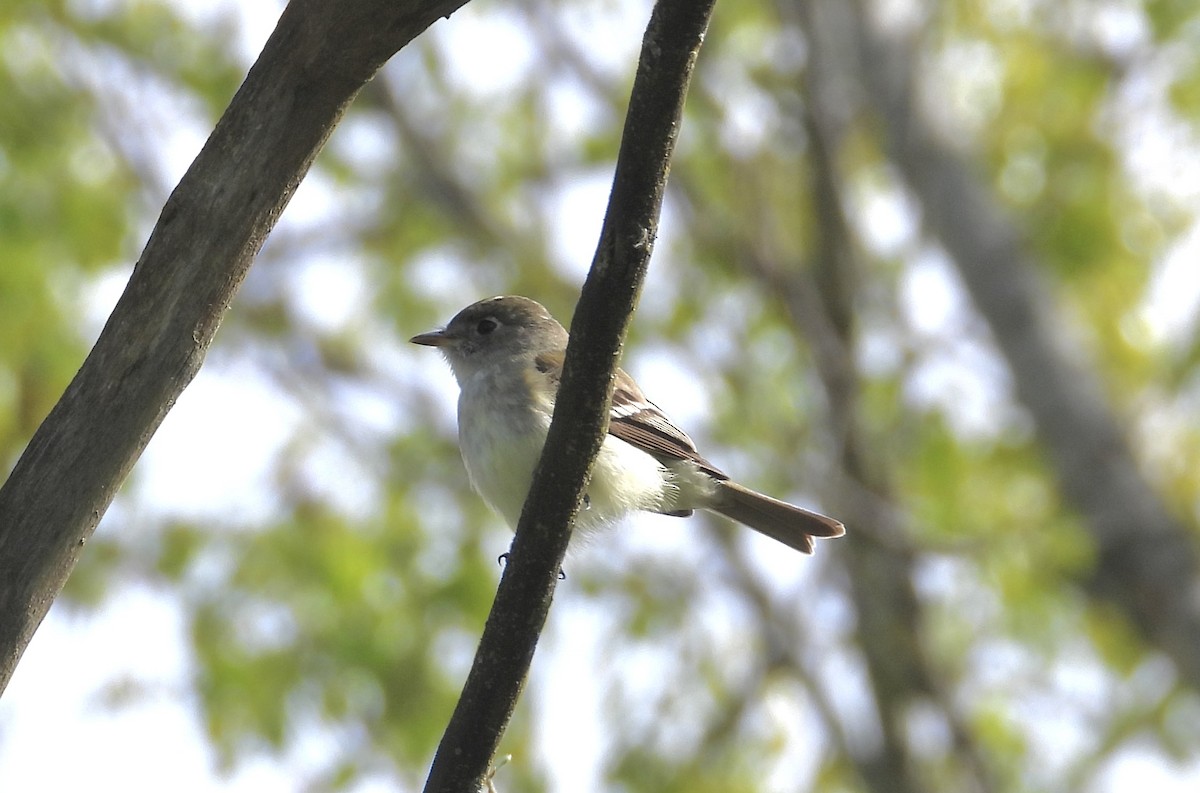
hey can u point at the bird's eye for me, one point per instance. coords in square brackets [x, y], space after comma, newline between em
[486, 326]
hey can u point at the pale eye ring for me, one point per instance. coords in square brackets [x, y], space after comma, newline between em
[486, 326]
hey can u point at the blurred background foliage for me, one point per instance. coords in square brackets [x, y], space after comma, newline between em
[334, 581]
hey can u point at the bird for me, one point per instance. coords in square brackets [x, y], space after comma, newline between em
[506, 353]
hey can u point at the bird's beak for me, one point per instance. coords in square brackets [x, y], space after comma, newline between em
[434, 338]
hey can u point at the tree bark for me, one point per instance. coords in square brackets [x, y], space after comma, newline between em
[316, 60]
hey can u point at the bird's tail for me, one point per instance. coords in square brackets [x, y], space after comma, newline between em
[779, 520]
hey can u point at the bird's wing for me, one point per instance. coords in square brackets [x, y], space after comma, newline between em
[638, 421]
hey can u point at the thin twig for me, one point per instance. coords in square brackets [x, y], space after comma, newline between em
[669, 51]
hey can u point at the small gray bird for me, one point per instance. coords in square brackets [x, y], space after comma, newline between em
[507, 355]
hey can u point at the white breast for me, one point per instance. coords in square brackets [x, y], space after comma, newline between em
[501, 441]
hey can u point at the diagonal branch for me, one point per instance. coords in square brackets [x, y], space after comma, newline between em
[1147, 563]
[669, 51]
[314, 63]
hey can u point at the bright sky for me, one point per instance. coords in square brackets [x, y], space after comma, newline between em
[57, 731]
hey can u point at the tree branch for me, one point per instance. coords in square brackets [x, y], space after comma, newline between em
[314, 63]
[891, 618]
[669, 50]
[1147, 563]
